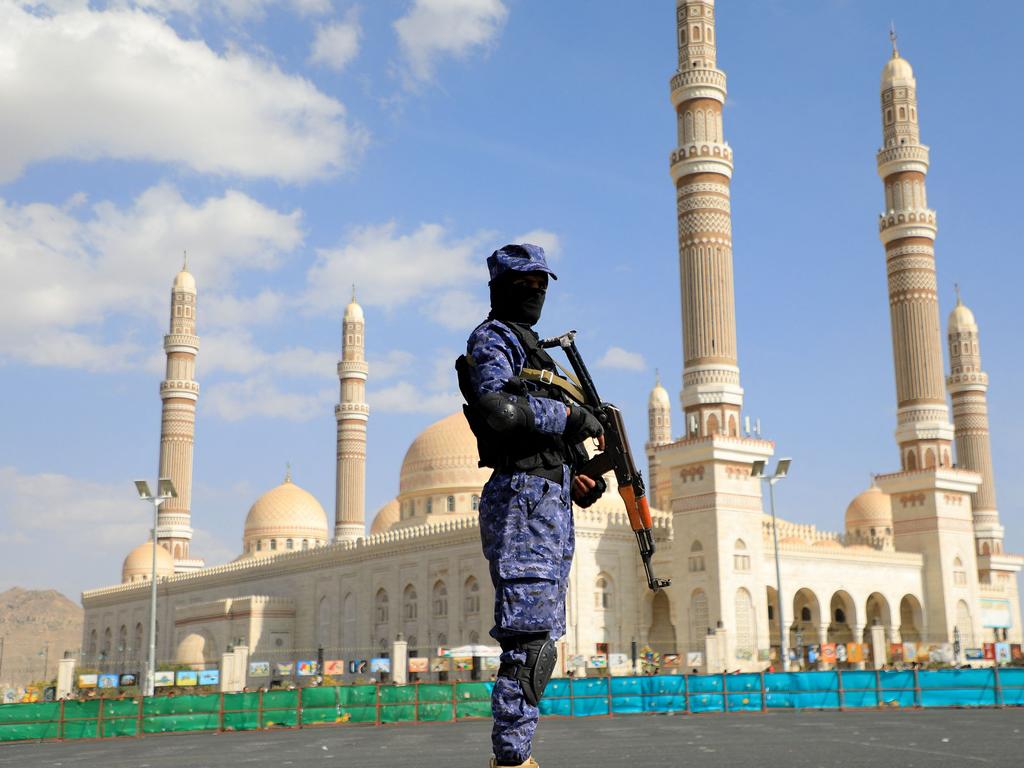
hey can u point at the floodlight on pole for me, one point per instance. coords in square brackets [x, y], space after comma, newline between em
[165, 491]
[757, 470]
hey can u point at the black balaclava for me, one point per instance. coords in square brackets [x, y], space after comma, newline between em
[515, 303]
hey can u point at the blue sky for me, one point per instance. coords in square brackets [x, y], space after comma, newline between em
[296, 146]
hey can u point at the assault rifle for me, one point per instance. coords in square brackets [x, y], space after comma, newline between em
[615, 457]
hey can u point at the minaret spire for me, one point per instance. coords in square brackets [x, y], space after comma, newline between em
[351, 414]
[892, 39]
[179, 392]
[701, 169]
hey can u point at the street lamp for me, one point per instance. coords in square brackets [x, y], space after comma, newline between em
[781, 470]
[165, 491]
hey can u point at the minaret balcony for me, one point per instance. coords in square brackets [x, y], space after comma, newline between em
[360, 411]
[697, 83]
[181, 342]
[179, 388]
[966, 382]
[701, 157]
[353, 369]
[895, 225]
[900, 158]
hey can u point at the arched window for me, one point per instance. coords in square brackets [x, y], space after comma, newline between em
[273, 545]
[911, 461]
[381, 606]
[409, 608]
[289, 544]
[137, 640]
[474, 503]
[430, 505]
[122, 639]
[805, 613]
[741, 560]
[696, 562]
[603, 592]
[323, 628]
[259, 546]
[92, 643]
[439, 601]
[305, 544]
[474, 637]
[451, 503]
[471, 597]
[108, 640]
[745, 629]
[964, 624]
[959, 573]
[713, 424]
[348, 628]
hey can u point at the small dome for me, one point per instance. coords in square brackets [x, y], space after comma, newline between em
[138, 566]
[443, 456]
[353, 313]
[284, 513]
[659, 398]
[869, 509]
[961, 319]
[184, 282]
[386, 516]
[897, 71]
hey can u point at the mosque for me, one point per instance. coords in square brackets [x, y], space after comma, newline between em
[920, 559]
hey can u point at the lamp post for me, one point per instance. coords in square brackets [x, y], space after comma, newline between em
[781, 470]
[165, 491]
[956, 646]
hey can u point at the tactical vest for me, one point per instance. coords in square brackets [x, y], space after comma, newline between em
[532, 451]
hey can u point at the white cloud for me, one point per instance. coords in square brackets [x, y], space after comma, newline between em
[617, 357]
[260, 396]
[405, 397]
[67, 276]
[549, 241]
[91, 84]
[436, 28]
[335, 45]
[234, 352]
[458, 310]
[394, 363]
[391, 269]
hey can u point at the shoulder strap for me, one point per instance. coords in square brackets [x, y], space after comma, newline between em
[553, 380]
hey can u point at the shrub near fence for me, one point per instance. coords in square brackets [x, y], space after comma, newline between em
[446, 702]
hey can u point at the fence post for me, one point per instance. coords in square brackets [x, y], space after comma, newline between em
[60, 723]
[220, 722]
[842, 698]
[917, 688]
[99, 718]
[141, 716]
[608, 692]
[878, 689]
[416, 706]
[378, 703]
[259, 712]
[686, 691]
[725, 693]
[1000, 701]
[764, 694]
[298, 712]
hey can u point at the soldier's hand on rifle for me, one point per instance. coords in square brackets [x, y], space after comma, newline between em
[581, 423]
[586, 490]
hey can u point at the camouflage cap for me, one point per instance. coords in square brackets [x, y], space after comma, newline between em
[523, 257]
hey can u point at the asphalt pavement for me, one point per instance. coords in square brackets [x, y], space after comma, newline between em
[903, 739]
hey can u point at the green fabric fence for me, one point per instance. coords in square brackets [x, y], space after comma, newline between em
[445, 702]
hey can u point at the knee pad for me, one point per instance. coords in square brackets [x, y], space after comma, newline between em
[533, 674]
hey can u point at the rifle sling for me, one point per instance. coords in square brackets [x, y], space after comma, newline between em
[549, 378]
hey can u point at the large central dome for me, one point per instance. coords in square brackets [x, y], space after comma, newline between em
[284, 518]
[443, 456]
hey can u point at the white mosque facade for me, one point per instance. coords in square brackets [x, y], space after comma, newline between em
[920, 559]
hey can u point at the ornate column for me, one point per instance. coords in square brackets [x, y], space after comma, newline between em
[179, 392]
[701, 169]
[351, 414]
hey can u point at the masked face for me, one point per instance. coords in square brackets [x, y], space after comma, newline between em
[519, 297]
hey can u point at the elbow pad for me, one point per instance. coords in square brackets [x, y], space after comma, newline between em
[506, 413]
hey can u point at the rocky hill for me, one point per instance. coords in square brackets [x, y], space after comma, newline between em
[31, 620]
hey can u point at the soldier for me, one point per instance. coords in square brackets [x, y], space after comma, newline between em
[530, 432]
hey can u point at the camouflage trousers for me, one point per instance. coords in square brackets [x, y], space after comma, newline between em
[528, 538]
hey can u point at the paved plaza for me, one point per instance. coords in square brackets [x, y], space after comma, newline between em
[907, 739]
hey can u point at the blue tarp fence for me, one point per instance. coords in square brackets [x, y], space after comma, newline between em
[574, 697]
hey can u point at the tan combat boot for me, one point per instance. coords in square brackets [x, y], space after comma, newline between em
[530, 763]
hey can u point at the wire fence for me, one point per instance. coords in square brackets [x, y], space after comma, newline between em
[377, 704]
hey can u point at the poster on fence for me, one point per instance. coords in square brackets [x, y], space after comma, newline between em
[828, 653]
[88, 681]
[1016, 652]
[895, 652]
[909, 652]
[186, 678]
[440, 664]
[813, 653]
[1003, 653]
[259, 669]
[462, 662]
[490, 663]
[108, 681]
[163, 678]
[128, 679]
[305, 668]
[598, 661]
[577, 661]
[334, 667]
[988, 650]
[284, 668]
[854, 653]
[841, 652]
[379, 665]
[694, 659]
[357, 666]
[621, 661]
[419, 664]
[941, 653]
[209, 677]
[974, 654]
[670, 660]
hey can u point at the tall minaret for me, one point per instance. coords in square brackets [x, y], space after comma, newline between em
[701, 168]
[907, 229]
[179, 392]
[968, 385]
[351, 413]
[659, 427]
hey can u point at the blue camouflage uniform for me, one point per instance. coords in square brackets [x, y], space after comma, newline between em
[528, 538]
